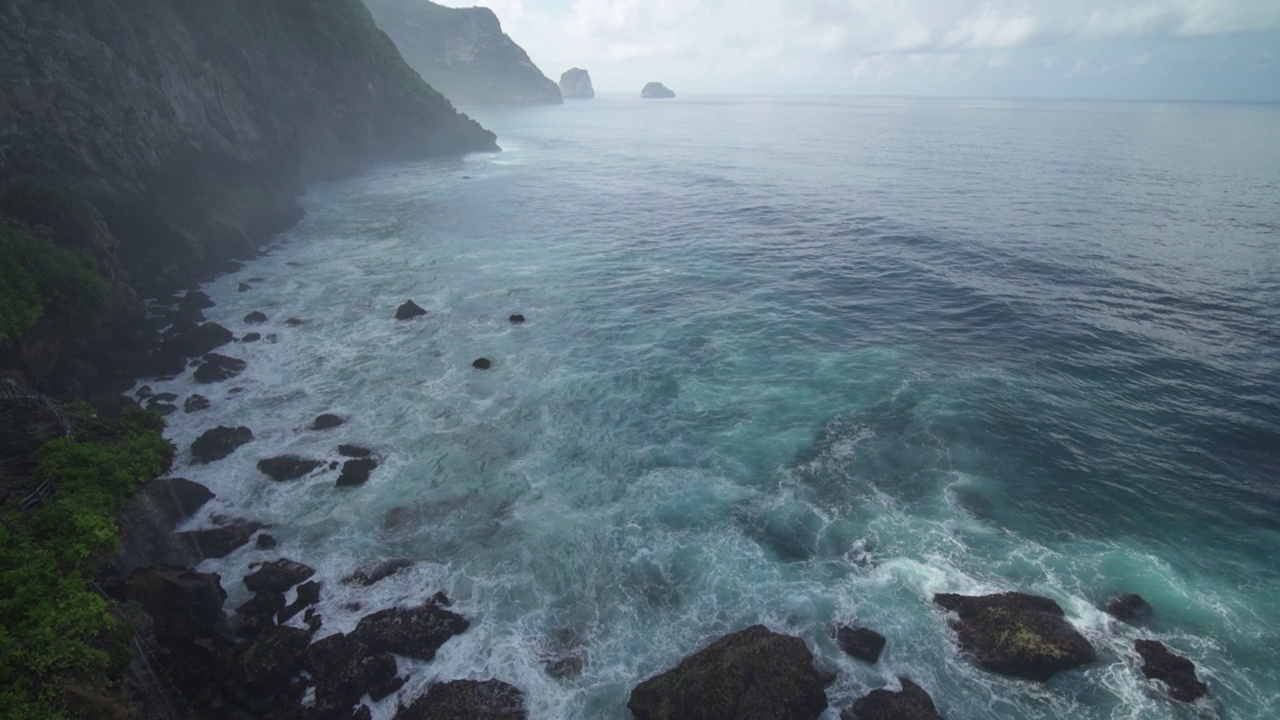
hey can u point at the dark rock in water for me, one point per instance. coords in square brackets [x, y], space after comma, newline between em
[245, 287]
[909, 703]
[565, 668]
[162, 409]
[356, 472]
[1176, 672]
[363, 712]
[179, 497]
[409, 310]
[384, 689]
[277, 576]
[334, 465]
[656, 91]
[263, 603]
[575, 84]
[468, 700]
[251, 338]
[272, 338]
[354, 451]
[274, 657]
[327, 421]
[266, 542]
[255, 318]
[197, 300]
[345, 669]
[376, 572]
[219, 442]
[144, 392]
[482, 364]
[311, 618]
[308, 595]
[517, 318]
[752, 674]
[972, 501]
[295, 322]
[441, 599]
[217, 368]
[860, 642]
[1130, 608]
[400, 516]
[217, 542]
[200, 341]
[196, 403]
[162, 398]
[1017, 634]
[183, 604]
[413, 632]
[288, 467]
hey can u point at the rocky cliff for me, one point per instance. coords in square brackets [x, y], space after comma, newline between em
[656, 91]
[192, 125]
[575, 84]
[464, 54]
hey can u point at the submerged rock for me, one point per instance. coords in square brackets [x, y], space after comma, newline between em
[356, 472]
[575, 84]
[327, 421]
[1176, 672]
[288, 467]
[217, 368]
[467, 700]
[972, 501]
[413, 632]
[482, 364]
[295, 322]
[251, 337]
[656, 91]
[278, 576]
[1129, 608]
[354, 451]
[196, 403]
[376, 572]
[409, 310]
[1017, 634]
[516, 319]
[747, 675]
[909, 703]
[860, 642]
[219, 442]
[255, 318]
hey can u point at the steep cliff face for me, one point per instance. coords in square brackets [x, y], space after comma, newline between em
[191, 125]
[464, 54]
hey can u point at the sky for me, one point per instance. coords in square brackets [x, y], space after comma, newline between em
[1110, 49]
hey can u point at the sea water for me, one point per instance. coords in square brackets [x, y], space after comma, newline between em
[787, 361]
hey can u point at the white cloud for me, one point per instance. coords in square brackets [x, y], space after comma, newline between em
[704, 42]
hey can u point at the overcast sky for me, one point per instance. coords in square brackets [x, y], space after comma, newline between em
[1141, 49]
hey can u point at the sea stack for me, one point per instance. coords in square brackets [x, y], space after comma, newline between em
[656, 91]
[575, 84]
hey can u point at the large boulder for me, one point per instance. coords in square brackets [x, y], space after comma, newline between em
[1129, 608]
[182, 603]
[327, 421]
[413, 632]
[656, 91]
[274, 657]
[219, 442]
[217, 542]
[345, 669]
[409, 310]
[1017, 634]
[860, 642]
[277, 576]
[1176, 672]
[754, 674]
[287, 467]
[148, 520]
[217, 368]
[909, 703]
[575, 84]
[376, 572]
[198, 341]
[356, 472]
[467, 700]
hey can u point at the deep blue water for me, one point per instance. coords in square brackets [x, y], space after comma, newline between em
[792, 361]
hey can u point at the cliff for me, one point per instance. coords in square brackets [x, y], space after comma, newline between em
[191, 126]
[575, 83]
[464, 54]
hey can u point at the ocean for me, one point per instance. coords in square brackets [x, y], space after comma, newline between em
[792, 361]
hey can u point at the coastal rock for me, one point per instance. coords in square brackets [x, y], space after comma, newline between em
[308, 595]
[354, 451]
[295, 322]
[251, 337]
[575, 84]
[163, 409]
[256, 317]
[409, 310]
[178, 498]
[197, 300]
[1176, 672]
[860, 642]
[148, 519]
[327, 421]
[909, 703]
[467, 700]
[183, 604]
[482, 364]
[376, 572]
[244, 287]
[463, 53]
[1017, 634]
[356, 472]
[345, 669]
[278, 576]
[656, 91]
[217, 368]
[971, 501]
[216, 542]
[219, 442]
[196, 403]
[274, 657]
[288, 467]
[258, 613]
[516, 319]
[754, 674]
[413, 632]
[200, 341]
[266, 542]
[1129, 608]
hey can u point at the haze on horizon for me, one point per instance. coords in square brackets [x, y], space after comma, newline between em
[1108, 49]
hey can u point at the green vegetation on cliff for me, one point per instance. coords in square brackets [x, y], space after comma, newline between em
[56, 630]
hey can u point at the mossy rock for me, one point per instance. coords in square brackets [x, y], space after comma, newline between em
[1017, 634]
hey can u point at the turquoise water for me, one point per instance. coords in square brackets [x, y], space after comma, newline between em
[794, 362]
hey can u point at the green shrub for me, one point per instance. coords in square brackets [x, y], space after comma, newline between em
[39, 279]
[61, 209]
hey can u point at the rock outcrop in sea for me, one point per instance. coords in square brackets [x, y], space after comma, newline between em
[656, 91]
[575, 84]
[1017, 634]
[463, 53]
